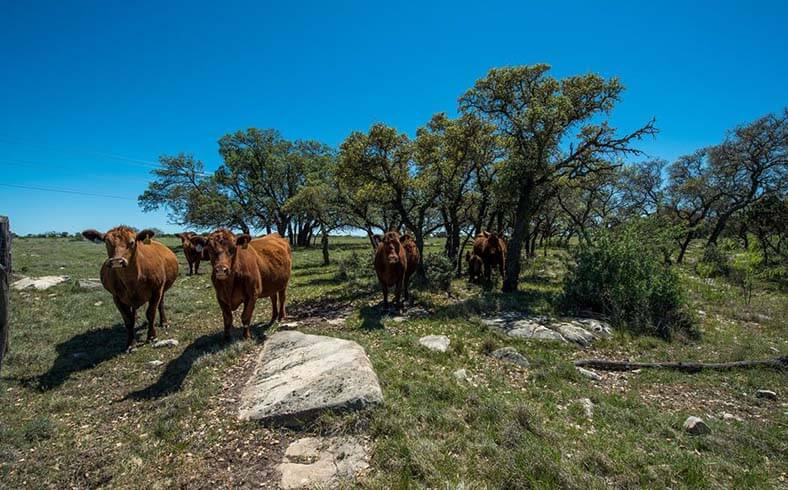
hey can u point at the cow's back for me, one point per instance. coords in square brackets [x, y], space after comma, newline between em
[276, 261]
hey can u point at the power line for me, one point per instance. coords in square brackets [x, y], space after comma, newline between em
[137, 161]
[13, 162]
[67, 191]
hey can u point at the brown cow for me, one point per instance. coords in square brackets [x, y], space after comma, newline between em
[245, 270]
[390, 266]
[138, 271]
[492, 250]
[413, 259]
[475, 266]
[193, 257]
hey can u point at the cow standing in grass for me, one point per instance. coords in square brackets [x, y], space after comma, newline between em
[491, 248]
[138, 270]
[193, 256]
[245, 270]
[391, 265]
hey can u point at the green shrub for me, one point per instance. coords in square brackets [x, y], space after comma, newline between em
[356, 268]
[622, 277]
[439, 270]
[744, 269]
[714, 263]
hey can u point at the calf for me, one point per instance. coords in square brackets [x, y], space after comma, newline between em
[390, 265]
[475, 266]
[245, 270]
[491, 249]
[138, 270]
[193, 257]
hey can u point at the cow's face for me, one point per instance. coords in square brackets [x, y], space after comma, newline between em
[222, 247]
[391, 246]
[185, 239]
[121, 243]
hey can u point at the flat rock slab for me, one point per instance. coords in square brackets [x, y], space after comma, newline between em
[438, 343]
[89, 283]
[323, 462]
[40, 283]
[298, 376]
[581, 331]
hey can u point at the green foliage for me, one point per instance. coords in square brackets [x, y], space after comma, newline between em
[356, 268]
[439, 270]
[621, 277]
[714, 263]
[744, 270]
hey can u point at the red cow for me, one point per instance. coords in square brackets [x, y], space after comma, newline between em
[193, 257]
[475, 266]
[245, 270]
[492, 250]
[390, 266]
[138, 270]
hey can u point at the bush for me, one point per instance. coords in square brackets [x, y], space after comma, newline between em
[744, 270]
[356, 268]
[439, 270]
[621, 277]
[714, 263]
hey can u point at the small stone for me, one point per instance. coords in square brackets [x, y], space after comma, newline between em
[155, 363]
[336, 322]
[323, 462]
[89, 283]
[398, 319]
[588, 373]
[510, 354]
[696, 426]
[438, 343]
[98, 303]
[288, 325]
[588, 407]
[165, 343]
[460, 375]
[730, 416]
[767, 394]
[573, 333]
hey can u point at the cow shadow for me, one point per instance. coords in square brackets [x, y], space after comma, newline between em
[372, 316]
[172, 378]
[84, 351]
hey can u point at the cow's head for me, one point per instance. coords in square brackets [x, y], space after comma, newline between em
[185, 239]
[222, 246]
[121, 243]
[391, 246]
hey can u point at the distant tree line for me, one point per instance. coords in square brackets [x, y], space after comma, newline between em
[531, 156]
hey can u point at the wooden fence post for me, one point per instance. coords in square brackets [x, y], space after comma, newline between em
[5, 278]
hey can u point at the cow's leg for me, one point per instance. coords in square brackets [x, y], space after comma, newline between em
[487, 271]
[246, 316]
[190, 267]
[282, 298]
[162, 316]
[127, 313]
[273, 308]
[385, 297]
[196, 266]
[150, 314]
[501, 267]
[398, 293]
[227, 315]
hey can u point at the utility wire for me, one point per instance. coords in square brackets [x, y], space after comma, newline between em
[145, 163]
[66, 191]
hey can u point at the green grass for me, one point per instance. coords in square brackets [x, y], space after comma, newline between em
[76, 411]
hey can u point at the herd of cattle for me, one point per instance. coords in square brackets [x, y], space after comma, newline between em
[140, 270]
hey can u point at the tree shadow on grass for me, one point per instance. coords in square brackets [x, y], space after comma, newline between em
[171, 380]
[83, 351]
[526, 301]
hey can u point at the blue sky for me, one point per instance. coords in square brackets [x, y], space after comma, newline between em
[92, 92]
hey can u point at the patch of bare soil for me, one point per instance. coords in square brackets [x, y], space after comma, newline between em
[244, 454]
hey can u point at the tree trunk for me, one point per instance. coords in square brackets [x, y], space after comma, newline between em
[689, 367]
[324, 244]
[683, 248]
[522, 220]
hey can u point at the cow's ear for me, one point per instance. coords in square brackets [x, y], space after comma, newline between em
[145, 235]
[199, 242]
[486, 234]
[94, 236]
[243, 240]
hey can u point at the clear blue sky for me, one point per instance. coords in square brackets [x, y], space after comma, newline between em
[82, 83]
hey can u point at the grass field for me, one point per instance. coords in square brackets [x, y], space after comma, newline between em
[75, 411]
